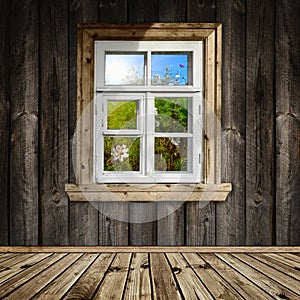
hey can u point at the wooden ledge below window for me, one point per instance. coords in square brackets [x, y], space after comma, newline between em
[148, 192]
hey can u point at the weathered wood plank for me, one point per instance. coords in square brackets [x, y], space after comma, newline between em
[162, 281]
[276, 265]
[83, 216]
[265, 283]
[260, 165]
[60, 285]
[172, 11]
[138, 285]
[143, 225]
[142, 11]
[24, 84]
[284, 279]
[44, 278]
[22, 278]
[241, 284]
[287, 122]
[230, 222]
[87, 285]
[190, 285]
[213, 282]
[54, 122]
[291, 256]
[4, 119]
[113, 224]
[200, 220]
[291, 263]
[18, 268]
[170, 225]
[201, 10]
[113, 284]
[7, 256]
[113, 11]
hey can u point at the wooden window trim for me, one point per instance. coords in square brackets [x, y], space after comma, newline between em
[211, 189]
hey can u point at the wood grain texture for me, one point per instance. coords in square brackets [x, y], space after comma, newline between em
[230, 228]
[287, 123]
[203, 11]
[273, 288]
[46, 277]
[172, 11]
[143, 225]
[113, 11]
[61, 284]
[200, 218]
[24, 85]
[54, 122]
[189, 283]
[143, 11]
[138, 285]
[4, 119]
[113, 224]
[87, 285]
[83, 216]
[22, 278]
[162, 279]
[113, 284]
[260, 165]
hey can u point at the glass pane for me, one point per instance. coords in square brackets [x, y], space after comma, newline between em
[171, 114]
[121, 153]
[171, 68]
[122, 114]
[124, 69]
[171, 154]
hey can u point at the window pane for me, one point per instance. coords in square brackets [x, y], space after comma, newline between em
[122, 114]
[171, 114]
[124, 69]
[121, 153]
[171, 154]
[171, 68]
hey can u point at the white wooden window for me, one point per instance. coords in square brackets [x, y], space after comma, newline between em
[105, 88]
[148, 112]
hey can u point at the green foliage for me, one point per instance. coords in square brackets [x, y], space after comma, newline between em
[172, 114]
[121, 114]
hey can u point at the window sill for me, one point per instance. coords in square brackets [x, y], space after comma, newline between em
[148, 192]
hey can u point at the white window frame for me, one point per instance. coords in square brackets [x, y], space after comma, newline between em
[146, 129]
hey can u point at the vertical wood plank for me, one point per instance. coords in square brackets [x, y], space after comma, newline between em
[172, 11]
[200, 217]
[54, 121]
[230, 223]
[24, 86]
[113, 11]
[83, 216]
[142, 11]
[4, 119]
[260, 173]
[113, 225]
[287, 122]
[201, 11]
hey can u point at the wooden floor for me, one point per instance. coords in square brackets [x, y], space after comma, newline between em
[129, 275]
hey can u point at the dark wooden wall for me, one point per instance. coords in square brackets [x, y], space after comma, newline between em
[260, 121]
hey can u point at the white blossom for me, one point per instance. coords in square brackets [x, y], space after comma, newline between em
[119, 152]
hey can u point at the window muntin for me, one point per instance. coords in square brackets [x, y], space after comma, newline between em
[148, 131]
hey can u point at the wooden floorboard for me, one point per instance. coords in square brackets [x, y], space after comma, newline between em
[150, 275]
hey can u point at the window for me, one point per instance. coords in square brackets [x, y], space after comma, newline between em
[148, 112]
